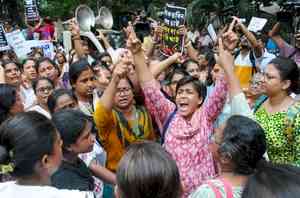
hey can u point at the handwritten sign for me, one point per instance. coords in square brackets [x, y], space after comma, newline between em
[212, 32]
[256, 24]
[31, 10]
[174, 17]
[3, 42]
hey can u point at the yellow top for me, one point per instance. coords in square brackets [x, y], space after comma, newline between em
[116, 133]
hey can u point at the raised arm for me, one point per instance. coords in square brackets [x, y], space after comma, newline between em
[155, 101]
[275, 36]
[106, 99]
[75, 31]
[158, 68]
[251, 38]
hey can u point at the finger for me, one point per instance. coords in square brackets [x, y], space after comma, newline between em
[231, 26]
[221, 46]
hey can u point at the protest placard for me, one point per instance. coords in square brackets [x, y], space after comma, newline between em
[31, 10]
[257, 24]
[212, 32]
[3, 42]
[174, 17]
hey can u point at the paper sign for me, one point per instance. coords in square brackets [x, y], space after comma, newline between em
[3, 42]
[31, 10]
[212, 32]
[256, 24]
[15, 38]
[173, 18]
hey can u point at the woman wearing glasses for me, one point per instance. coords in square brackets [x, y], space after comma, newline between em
[43, 87]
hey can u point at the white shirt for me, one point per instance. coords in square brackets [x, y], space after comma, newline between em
[27, 96]
[40, 110]
[264, 60]
[13, 190]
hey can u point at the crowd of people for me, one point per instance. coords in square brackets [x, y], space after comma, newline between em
[220, 119]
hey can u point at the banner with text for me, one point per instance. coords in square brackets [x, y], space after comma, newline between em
[31, 10]
[174, 17]
[3, 42]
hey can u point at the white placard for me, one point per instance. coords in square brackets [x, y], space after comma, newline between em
[212, 32]
[256, 24]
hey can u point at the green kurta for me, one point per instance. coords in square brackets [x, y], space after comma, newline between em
[281, 147]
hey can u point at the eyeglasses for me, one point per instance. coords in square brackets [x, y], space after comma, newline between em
[45, 89]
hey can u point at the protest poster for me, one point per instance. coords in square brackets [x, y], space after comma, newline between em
[172, 42]
[3, 42]
[212, 33]
[257, 24]
[31, 10]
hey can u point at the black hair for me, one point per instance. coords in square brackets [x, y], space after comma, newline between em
[288, 70]
[69, 130]
[24, 140]
[36, 81]
[63, 54]
[175, 70]
[187, 62]
[8, 95]
[46, 59]
[77, 68]
[147, 170]
[6, 62]
[244, 143]
[56, 94]
[25, 61]
[269, 180]
[198, 85]
[210, 57]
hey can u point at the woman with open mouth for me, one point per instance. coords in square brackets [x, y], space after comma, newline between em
[189, 120]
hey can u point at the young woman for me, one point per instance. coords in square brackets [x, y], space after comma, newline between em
[279, 114]
[43, 88]
[31, 148]
[61, 99]
[29, 74]
[146, 169]
[237, 148]
[188, 132]
[63, 65]
[46, 68]
[82, 80]
[119, 120]
[12, 73]
[192, 68]
[77, 138]
[10, 102]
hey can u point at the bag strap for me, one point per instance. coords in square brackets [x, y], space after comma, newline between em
[215, 189]
[292, 54]
[259, 102]
[166, 126]
[227, 188]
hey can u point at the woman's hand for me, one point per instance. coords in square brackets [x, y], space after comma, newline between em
[133, 43]
[74, 28]
[224, 58]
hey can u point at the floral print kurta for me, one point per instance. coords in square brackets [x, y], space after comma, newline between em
[187, 141]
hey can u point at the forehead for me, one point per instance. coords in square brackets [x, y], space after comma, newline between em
[45, 63]
[10, 66]
[86, 74]
[65, 98]
[192, 65]
[42, 83]
[188, 86]
[29, 63]
[271, 69]
[177, 76]
[123, 84]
